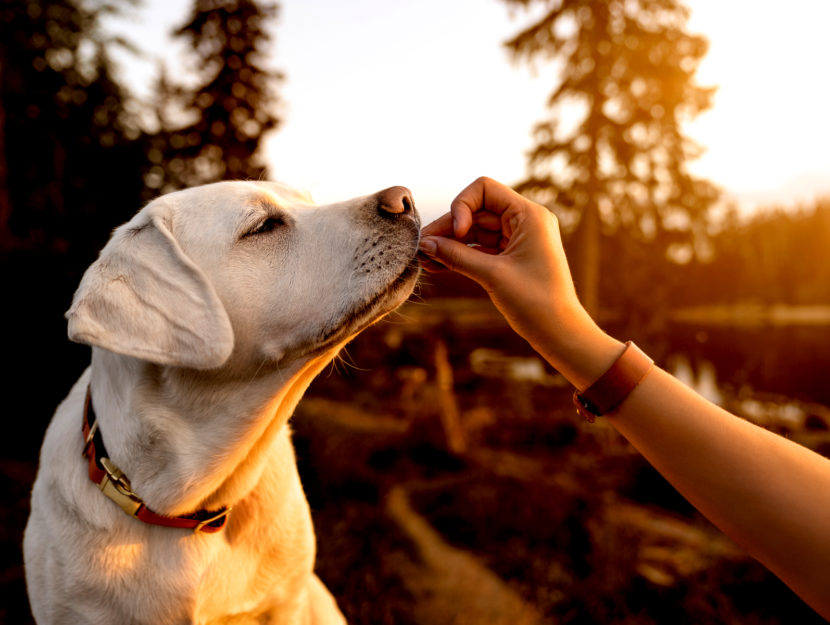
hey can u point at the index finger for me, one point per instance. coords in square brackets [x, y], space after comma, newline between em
[483, 194]
[441, 227]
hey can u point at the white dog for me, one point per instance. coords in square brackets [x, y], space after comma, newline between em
[209, 314]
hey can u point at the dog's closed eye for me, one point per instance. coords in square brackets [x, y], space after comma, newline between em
[269, 224]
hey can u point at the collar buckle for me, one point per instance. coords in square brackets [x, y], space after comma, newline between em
[116, 486]
[201, 525]
[89, 440]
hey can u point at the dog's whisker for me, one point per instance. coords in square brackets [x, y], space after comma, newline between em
[345, 358]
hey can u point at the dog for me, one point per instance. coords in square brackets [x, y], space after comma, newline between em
[167, 490]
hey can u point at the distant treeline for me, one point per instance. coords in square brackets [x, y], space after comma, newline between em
[777, 256]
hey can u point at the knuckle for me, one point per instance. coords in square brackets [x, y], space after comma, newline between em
[553, 218]
[541, 213]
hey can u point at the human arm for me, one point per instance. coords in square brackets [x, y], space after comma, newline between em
[768, 494]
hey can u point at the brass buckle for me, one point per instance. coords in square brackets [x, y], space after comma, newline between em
[89, 438]
[116, 486]
[216, 517]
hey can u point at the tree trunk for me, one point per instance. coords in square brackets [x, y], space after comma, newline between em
[587, 279]
[588, 259]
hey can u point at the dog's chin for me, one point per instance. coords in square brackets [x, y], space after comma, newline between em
[366, 313]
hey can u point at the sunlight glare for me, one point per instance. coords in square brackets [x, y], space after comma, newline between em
[767, 134]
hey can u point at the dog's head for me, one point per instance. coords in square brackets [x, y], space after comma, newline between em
[252, 270]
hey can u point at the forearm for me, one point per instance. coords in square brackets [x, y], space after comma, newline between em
[767, 493]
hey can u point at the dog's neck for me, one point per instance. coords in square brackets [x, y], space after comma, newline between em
[189, 440]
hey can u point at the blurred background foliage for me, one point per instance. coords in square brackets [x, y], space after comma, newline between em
[211, 130]
[74, 138]
[79, 154]
[619, 165]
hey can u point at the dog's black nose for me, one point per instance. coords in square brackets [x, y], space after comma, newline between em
[395, 201]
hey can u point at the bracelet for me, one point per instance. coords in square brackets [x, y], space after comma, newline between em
[613, 386]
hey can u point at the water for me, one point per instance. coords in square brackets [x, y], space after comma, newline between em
[789, 361]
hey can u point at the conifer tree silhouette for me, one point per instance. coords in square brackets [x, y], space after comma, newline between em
[612, 155]
[68, 142]
[212, 130]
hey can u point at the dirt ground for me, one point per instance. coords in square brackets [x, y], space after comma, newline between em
[484, 498]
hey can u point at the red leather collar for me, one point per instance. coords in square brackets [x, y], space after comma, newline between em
[115, 485]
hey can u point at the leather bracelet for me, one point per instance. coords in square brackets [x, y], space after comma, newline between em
[613, 386]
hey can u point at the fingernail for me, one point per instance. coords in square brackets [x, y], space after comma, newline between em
[428, 246]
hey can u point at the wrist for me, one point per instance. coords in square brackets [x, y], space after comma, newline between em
[580, 350]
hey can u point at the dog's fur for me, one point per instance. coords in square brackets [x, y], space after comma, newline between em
[209, 314]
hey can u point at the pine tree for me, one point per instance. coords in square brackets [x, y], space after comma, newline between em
[67, 141]
[233, 106]
[627, 79]
[38, 87]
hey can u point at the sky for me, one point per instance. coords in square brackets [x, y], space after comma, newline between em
[423, 94]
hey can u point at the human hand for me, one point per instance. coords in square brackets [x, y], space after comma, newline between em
[513, 248]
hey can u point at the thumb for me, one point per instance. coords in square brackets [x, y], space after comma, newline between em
[459, 257]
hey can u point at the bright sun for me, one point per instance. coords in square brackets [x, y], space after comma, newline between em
[768, 133]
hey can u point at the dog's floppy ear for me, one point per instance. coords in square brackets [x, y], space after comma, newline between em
[145, 298]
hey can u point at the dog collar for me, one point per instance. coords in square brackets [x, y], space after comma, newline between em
[115, 485]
